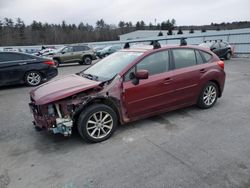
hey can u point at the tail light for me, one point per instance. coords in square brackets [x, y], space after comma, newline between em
[221, 64]
[50, 63]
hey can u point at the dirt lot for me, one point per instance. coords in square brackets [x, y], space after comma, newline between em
[186, 148]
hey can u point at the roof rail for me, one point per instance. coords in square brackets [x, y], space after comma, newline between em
[214, 40]
[153, 42]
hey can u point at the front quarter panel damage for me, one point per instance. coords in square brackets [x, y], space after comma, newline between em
[60, 116]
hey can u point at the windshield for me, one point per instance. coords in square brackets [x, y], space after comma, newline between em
[59, 49]
[111, 65]
[106, 48]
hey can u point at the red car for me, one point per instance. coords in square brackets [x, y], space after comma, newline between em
[126, 86]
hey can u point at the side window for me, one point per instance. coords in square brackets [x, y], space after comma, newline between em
[198, 57]
[76, 48]
[85, 48]
[26, 57]
[184, 58]
[2, 57]
[155, 63]
[68, 49]
[206, 56]
[127, 76]
[10, 57]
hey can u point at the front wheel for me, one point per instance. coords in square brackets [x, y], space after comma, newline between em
[87, 60]
[57, 62]
[97, 123]
[208, 96]
[33, 78]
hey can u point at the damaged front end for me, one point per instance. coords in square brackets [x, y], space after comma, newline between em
[61, 115]
[53, 117]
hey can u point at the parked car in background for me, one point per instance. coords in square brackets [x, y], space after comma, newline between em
[18, 68]
[107, 51]
[220, 48]
[75, 53]
[128, 85]
[45, 52]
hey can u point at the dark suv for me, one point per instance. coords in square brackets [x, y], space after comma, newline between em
[75, 53]
[220, 48]
[126, 86]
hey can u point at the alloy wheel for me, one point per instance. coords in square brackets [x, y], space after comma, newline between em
[99, 124]
[209, 95]
[33, 78]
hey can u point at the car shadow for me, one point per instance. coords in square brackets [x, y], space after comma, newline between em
[15, 86]
[48, 142]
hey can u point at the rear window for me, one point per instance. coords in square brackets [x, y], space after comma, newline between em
[206, 56]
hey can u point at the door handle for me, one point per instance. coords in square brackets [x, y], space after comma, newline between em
[203, 70]
[167, 80]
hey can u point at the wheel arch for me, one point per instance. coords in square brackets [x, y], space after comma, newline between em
[218, 86]
[99, 100]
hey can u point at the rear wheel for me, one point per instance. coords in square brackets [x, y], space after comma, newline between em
[33, 78]
[228, 56]
[208, 96]
[97, 123]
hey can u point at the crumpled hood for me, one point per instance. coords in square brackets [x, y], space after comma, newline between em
[61, 88]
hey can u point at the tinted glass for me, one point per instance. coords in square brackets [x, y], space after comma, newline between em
[206, 56]
[155, 63]
[198, 57]
[67, 49]
[77, 48]
[85, 48]
[10, 57]
[184, 58]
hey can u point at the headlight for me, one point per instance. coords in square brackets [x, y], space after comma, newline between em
[51, 110]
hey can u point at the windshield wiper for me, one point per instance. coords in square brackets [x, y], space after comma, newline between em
[90, 76]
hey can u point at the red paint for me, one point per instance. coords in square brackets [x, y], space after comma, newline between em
[153, 95]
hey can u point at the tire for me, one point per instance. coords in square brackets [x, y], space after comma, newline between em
[208, 96]
[33, 78]
[86, 60]
[57, 62]
[228, 56]
[97, 123]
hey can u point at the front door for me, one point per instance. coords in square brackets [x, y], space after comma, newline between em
[152, 94]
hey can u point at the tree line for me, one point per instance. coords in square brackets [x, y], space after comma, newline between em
[16, 32]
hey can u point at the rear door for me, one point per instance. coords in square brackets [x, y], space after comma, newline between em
[187, 73]
[152, 94]
[13, 67]
[9, 67]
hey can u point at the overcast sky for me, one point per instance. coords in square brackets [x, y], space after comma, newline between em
[185, 12]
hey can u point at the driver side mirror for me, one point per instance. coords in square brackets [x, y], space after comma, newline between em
[139, 75]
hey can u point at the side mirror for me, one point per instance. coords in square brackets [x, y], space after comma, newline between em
[139, 75]
[63, 52]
